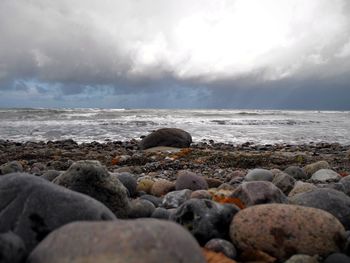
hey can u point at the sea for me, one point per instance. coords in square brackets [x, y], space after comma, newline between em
[227, 126]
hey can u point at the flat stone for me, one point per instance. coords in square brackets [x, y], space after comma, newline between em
[283, 230]
[132, 241]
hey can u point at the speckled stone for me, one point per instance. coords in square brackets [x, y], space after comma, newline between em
[283, 230]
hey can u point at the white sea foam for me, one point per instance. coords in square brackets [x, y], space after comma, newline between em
[230, 126]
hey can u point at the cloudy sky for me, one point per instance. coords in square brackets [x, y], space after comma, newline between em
[287, 54]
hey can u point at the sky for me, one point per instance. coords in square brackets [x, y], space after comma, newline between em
[260, 54]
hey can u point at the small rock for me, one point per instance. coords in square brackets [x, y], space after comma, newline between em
[156, 201]
[205, 219]
[223, 246]
[93, 179]
[284, 230]
[201, 194]
[259, 192]
[11, 167]
[132, 241]
[301, 187]
[145, 185]
[314, 167]
[284, 181]
[302, 259]
[176, 198]
[296, 172]
[12, 248]
[50, 175]
[162, 187]
[212, 182]
[190, 180]
[167, 137]
[325, 176]
[337, 258]
[161, 213]
[141, 208]
[259, 175]
[345, 181]
[129, 182]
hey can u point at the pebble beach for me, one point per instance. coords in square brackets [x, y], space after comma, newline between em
[163, 198]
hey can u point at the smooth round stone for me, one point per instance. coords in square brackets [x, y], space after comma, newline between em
[141, 208]
[129, 182]
[205, 219]
[223, 246]
[12, 248]
[145, 185]
[296, 172]
[171, 137]
[176, 198]
[93, 179]
[283, 230]
[157, 201]
[337, 258]
[201, 194]
[284, 181]
[259, 175]
[190, 180]
[32, 207]
[335, 202]
[132, 241]
[325, 175]
[302, 259]
[50, 175]
[259, 192]
[11, 167]
[162, 187]
[301, 187]
[314, 167]
[161, 213]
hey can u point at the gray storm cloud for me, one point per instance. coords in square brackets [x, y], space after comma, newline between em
[136, 46]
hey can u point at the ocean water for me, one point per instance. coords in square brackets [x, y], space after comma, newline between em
[229, 126]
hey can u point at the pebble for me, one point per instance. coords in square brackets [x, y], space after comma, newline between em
[301, 187]
[93, 179]
[223, 246]
[259, 175]
[132, 241]
[141, 208]
[259, 192]
[337, 258]
[129, 181]
[50, 175]
[345, 181]
[162, 187]
[144, 185]
[12, 248]
[314, 167]
[161, 213]
[296, 172]
[283, 181]
[302, 259]
[176, 198]
[11, 167]
[189, 180]
[201, 194]
[325, 176]
[284, 230]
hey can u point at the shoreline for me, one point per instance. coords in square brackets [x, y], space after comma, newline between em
[203, 157]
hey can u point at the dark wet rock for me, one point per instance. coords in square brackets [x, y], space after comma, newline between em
[301, 187]
[205, 219]
[141, 208]
[32, 207]
[335, 202]
[296, 172]
[176, 198]
[132, 241]
[93, 179]
[314, 167]
[50, 175]
[167, 137]
[129, 182]
[324, 176]
[162, 187]
[201, 194]
[284, 230]
[161, 213]
[337, 258]
[12, 248]
[259, 175]
[11, 167]
[190, 180]
[223, 246]
[302, 259]
[284, 181]
[259, 192]
[156, 201]
[345, 181]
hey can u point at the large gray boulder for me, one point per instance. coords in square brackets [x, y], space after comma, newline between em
[132, 241]
[167, 137]
[32, 207]
[93, 179]
[335, 202]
